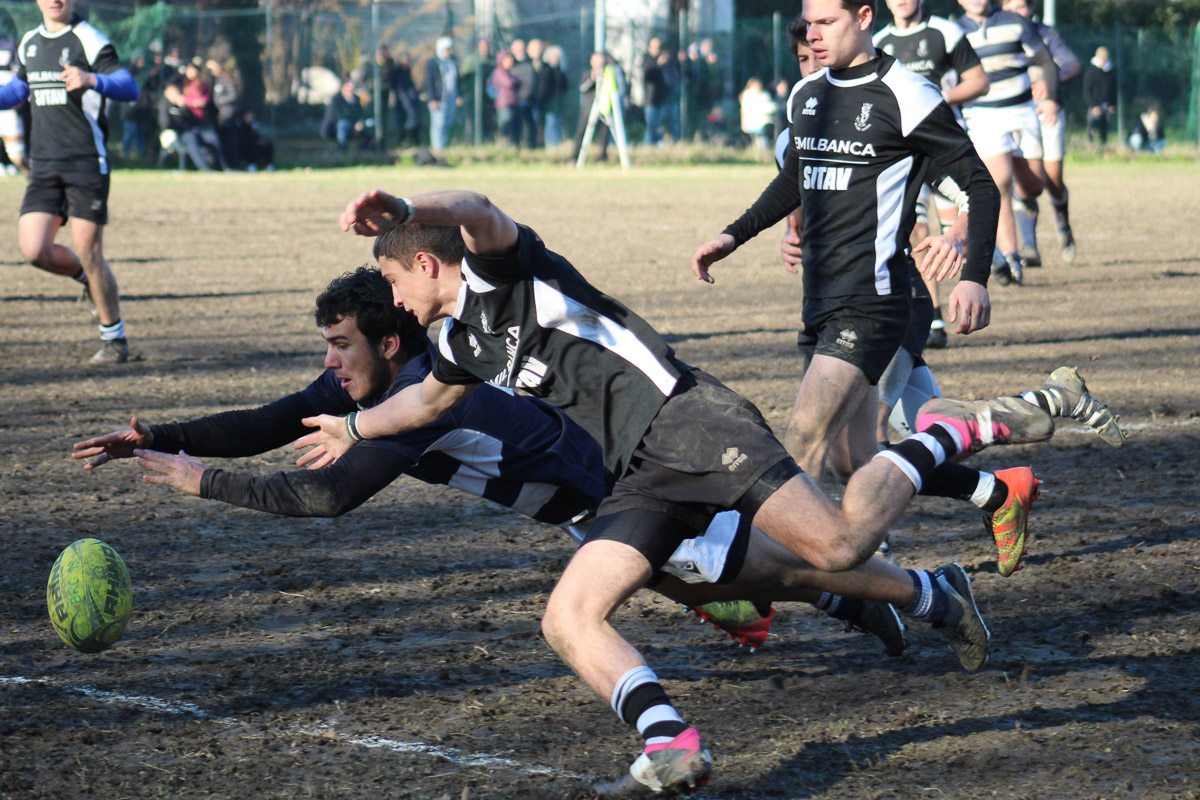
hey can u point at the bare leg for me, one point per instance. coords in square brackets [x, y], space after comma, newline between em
[1054, 180]
[1030, 176]
[599, 578]
[1001, 169]
[856, 443]
[88, 238]
[830, 395]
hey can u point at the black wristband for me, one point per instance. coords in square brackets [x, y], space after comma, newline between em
[406, 210]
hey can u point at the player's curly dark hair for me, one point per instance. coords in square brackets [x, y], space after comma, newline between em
[797, 34]
[401, 243]
[365, 295]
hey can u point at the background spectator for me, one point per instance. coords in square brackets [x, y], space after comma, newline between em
[195, 120]
[554, 95]
[408, 103]
[226, 98]
[505, 85]
[442, 93]
[1148, 132]
[587, 97]
[526, 74]
[256, 151]
[343, 121]
[655, 90]
[481, 63]
[758, 113]
[139, 115]
[1100, 94]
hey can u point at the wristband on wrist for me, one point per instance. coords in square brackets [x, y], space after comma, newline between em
[406, 210]
[352, 428]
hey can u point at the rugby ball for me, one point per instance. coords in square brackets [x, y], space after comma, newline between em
[89, 595]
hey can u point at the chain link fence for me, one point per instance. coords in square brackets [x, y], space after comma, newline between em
[290, 60]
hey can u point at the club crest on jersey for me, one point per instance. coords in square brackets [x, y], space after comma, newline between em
[31, 51]
[483, 323]
[65, 58]
[810, 107]
[475, 348]
[861, 123]
[922, 48]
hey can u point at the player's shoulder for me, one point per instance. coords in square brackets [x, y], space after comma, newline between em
[915, 96]
[27, 38]
[999, 17]
[950, 31]
[884, 34]
[802, 85]
[91, 38]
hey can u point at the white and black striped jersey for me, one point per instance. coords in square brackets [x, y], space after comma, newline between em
[8, 59]
[1007, 44]
[931, 48]
[862, 141]
[69, 128]
[526, 319]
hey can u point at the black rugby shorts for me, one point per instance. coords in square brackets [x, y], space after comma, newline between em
[81, 195]
[862, 330]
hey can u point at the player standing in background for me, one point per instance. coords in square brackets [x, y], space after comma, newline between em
[1054, 135]
[1004, 123]
[12, 127]
[68, 70]
[932, 46]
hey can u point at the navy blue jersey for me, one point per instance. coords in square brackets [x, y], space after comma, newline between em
[1007, 44]
[512, 450]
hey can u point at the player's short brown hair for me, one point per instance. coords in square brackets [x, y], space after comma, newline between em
[854, 5]
[401, 243]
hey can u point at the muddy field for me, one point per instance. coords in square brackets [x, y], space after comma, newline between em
[395, 652]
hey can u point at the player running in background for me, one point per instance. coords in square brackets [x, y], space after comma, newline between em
[1054, 136]
[12, 127]
[932, 46]
[1005, 124]
[68, 70]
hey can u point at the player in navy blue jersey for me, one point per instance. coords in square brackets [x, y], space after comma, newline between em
[68, 71]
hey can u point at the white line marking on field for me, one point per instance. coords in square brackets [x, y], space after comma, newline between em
[159, 706]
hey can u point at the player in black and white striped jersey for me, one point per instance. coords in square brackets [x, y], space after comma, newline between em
[68, 71]
[1006, 123]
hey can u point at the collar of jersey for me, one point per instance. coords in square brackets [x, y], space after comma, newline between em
[70, 27]
[913, 31]
[857, 75]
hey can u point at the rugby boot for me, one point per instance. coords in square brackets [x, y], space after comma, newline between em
[1000, 269]
[112, 351]
[963, 625]
[1068, 397]
[1025, 213]
[1016, 268]
[1066, 239]
[880, 620]
[663, 770]
[937, 339]
[741, 619]
[983, 423]
[1008, 524]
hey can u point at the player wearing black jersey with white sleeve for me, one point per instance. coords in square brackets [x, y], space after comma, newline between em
[679, 445]
[68, 70]
[866, 133]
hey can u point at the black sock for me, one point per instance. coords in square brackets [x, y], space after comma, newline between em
[952, 480]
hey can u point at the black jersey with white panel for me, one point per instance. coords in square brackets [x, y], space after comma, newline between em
[69, 128]
[526, 319]
[863, 140]
[931, 48]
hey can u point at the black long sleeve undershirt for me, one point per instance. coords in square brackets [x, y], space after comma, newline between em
[327, 492]
[236, 434]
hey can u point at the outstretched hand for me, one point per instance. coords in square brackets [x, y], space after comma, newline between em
[709, 254]
[373, 213]
[328, 444]
[182, 472]
[119, 444]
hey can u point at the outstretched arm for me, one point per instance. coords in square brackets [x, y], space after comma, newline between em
[118, 444]
[485, 228]
[412, 408]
